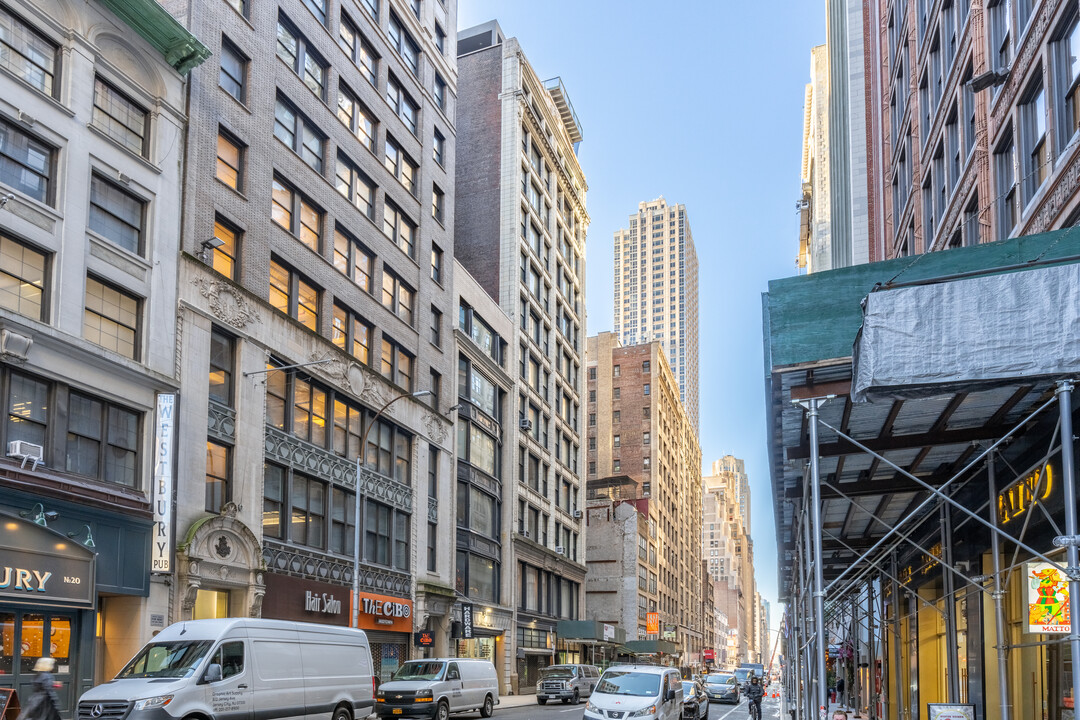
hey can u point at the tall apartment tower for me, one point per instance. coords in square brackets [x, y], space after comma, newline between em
[315, 298]
[973, 117]
[643, 449]
[520, 233]
[656, 291]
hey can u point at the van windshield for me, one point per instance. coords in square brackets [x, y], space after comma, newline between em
[420, 671]
[558, 671]
[742, 674]
[166, 660]
[628, 682]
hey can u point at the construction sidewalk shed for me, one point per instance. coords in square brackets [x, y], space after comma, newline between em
[920, 423]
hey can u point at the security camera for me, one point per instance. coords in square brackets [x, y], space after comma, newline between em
[51, 515]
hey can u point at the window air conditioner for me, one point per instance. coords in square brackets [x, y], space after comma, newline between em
[525, 534]
[577, 514]
[24, 451]
[560, 550]
[525, 424]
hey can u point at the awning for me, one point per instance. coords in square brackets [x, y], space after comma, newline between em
[652, 647]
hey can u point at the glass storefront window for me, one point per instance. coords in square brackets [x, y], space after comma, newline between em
[7, 643]
[33, 635]
[60, 639]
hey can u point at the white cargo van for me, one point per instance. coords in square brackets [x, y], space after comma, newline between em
[439, 687]
[643, 692]
[240, 669]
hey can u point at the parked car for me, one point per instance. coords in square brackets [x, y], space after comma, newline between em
[722, 687]
[240, 667]
[695, 701]
[643, 692]
[568, 683]
[439, 688]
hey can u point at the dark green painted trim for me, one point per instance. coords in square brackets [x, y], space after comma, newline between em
[180, 48]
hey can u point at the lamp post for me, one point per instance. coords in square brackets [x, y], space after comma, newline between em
[356, 504]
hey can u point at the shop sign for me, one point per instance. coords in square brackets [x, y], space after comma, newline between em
[466, 620]
[669, 631]
[39, 566]
[161, 550]
[609, 632]
[424, 638]
[708, 654]
[324, 603]
[1019, 497]
[652, 623]
[949, 711]
[289, 598]
[1047, 598]
[383, 612]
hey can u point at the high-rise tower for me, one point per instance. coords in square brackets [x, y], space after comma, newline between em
[656, 290]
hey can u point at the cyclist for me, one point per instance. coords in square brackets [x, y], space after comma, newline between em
[754, 692]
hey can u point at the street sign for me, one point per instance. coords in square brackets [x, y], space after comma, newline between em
[466, 620]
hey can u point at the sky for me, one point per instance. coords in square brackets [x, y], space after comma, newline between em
[700, 101]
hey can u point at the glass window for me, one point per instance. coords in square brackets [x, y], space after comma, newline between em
[22, 278]
[111, 318]
[405, 107]
[377, 533]
[439, 148]
[119, 117]
[1036, 157]
[358, 49]
[218, 485]
[399, 229]
[400, 165]
[221, 367]
[440, 91]
[273, 496]
[233, 71]
[223, 257]
[396, 365]
[26, 164]
[372, 6]
[1067, 68]
[355, 116]
[1005, 172]
[436, 263]
[27, 54]
[402, 41]
[352, 334]
[398, 297]
[353, 259]
[342, 521]
[28, 410]
[299, 134]
[318, 9]
[293, 295]
[438, 203]
[116, 214]
[347, 432]
[296, 213]
[229, 155]
[102, 440]
[293, 49]
[307, 517]
[355, 185]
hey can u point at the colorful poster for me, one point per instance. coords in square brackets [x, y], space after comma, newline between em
[652, 623]
[1048, 599]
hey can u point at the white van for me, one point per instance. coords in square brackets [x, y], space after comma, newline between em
[439, 687]
[238, 669]
[643, 692]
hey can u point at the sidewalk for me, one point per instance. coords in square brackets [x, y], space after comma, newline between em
[513, 701]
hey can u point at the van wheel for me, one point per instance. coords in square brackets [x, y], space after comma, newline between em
[443, 712]
[489, 707]
[342, 713]
[541, 701]
[577, 697]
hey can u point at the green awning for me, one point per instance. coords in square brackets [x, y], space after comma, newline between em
[652, 647]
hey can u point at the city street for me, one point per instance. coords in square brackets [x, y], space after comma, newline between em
[511, 709]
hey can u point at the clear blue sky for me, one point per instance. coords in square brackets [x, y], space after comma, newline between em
[701, 102]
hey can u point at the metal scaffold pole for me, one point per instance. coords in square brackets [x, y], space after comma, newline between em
[948, 585]
[819, 575]
[1071, 540]
[999, 596]
[896, 651]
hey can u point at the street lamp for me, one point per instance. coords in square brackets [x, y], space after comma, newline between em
[356, 505]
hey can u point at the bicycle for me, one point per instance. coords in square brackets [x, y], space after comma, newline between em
[755, 710]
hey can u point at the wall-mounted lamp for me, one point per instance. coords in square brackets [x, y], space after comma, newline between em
[208, 245]
[40, 516]
[988, 79]
[89, 541]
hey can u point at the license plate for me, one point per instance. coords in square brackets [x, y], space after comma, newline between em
[397, 711]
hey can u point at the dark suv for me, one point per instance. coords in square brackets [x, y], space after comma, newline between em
[569, 683]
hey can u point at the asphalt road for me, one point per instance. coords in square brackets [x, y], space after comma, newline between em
[770, 710]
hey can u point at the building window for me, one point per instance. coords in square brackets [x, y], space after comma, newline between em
[230, 156]
[415, 5]
[438, 204]
[307, 517]
[218, 483]
[353, 259]
[971, 221]
[1066, 56]
[402, 41]
[102, 440]
[389, 450]
[233, 73]
[1036, 145]
[358, 49]
[22, 278]
[299, 134]
[439, 149]
[400, 165]
[646, 438]
[351, 333]
[239, 6]
[342, 521]
[432, 547]
[617, 441]
[397, 297]
[396, 365]
[355, 116]
[318, 9]
[399, 229]
[475, 387]
[111, 318]
[26, 163]
[223, 257]
[1004, 170]
[616, 416]
[296, 214]
[293, 295]
[403, 105]
[347, 422]
[116, 214]
[1000, 33]
[386, 536]
[372, 6]
[293, 49]
[119, 117]
[273, 501]
[28, 410]
[26, 54]
[436, 327]
[646, 389]
[616, 371]
[436, 264]
[355, 185]
[440, 39]
[440, 91]
[221, 367]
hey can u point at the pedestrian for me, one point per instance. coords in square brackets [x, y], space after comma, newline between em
[840, 690]
[43, 703]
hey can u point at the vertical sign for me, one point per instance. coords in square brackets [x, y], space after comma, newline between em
[161, 549]
[466, 620]
[1048, 599]
[652, 623]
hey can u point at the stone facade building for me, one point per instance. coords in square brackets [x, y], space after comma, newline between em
[315, 316]
[520, 232]
[642, 448]
[92, 117]
[656, 290]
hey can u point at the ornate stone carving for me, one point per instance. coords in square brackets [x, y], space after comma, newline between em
[298, 562]
[346, 374]
[1025, 56]
[437, 428]
[374, 392]
[1056, 199]
[221, 421]
[385, 490]
[227, 302]
[256, 604]
[432, 510]
[220, 552]
[14, 346]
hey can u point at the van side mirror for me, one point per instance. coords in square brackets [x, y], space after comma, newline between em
[670, 695]
[213, 673]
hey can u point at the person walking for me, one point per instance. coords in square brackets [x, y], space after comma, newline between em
[43, 704]
[840, 690]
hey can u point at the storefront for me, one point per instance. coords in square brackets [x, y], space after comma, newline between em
[387, 620]
[47, 603]
[535, 650]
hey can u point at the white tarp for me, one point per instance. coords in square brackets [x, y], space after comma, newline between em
[931, 339]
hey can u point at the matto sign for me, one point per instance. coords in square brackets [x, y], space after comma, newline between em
[1047, 599]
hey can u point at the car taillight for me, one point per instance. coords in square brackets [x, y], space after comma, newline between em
[372, 686]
